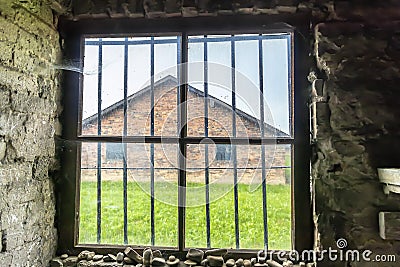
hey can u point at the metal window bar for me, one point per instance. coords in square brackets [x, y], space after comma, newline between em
[193, 169]
[207, 168]
[234, 152]
[263, 175]
[152, 134]
[182, 144]
[99, 88]
[289, 50]
[192, 40]
[125, 130]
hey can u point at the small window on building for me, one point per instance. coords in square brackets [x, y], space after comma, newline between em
[223, 152]
[114, 151]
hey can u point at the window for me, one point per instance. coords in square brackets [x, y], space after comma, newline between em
[186, 140]
[223, 152]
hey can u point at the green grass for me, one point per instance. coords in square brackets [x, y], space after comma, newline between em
[166, 215]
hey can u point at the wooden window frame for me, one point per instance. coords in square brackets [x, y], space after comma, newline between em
[68, 188]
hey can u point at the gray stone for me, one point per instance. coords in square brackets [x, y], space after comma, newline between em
[128, 260]
[158, 262]
[172, 260]
[70, 261]
[215, 261]
[147, 256]
[190, 263]
[247, 263]
[90, 255]
[97, 257]
[109, 258]
[273, 263]
[239, 262]
[84, 263]
[83, 255]
[120, 257]
[3, 147]
[230, 263]
[64, 256]
[157, 254]
[56, 263]
[195, 255]
[133, 255]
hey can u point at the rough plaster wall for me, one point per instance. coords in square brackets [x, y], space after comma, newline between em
[29, 98]
[358, 127]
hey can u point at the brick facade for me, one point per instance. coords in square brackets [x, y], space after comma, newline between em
[165, 124]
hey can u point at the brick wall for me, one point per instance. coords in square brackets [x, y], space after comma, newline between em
[165, 124]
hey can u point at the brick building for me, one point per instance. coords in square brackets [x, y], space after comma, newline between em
[165, 124]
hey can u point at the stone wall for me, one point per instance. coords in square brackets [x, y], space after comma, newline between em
[29, 98]
[358, 131]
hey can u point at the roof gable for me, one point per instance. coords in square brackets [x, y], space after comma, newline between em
[173, 82]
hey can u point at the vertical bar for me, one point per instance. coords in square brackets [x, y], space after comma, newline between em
[235, 180]
[99, 85]
[125, 174]
[178, 70]
[182, 144]
[289, 71]
[207, 169]
[263, 172]
[152, 134]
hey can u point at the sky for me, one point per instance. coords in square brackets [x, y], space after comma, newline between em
[275, 73]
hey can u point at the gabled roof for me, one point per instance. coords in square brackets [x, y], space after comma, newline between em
[173, 82]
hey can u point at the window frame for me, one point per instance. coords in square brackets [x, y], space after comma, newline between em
[68, 186]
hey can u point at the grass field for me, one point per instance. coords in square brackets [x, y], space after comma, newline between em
[222, 218]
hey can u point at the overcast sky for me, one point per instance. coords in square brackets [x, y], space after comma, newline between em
[275, 64]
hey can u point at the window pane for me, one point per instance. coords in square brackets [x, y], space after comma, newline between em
[90, 80]
[143, 178]
[248, 171]
[165, 91]
[279, 199]
[138, 86]
[88, 207]
[247, 89]
[275, 73]
[138, 110]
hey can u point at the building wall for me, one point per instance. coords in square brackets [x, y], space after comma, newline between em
[29, 107]
[165, 124]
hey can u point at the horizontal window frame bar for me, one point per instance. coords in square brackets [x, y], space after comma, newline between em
[187, 140]
[235, 38]
[129, 42]
[192, 168]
